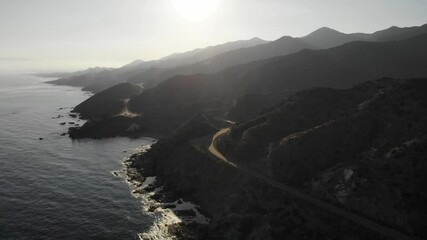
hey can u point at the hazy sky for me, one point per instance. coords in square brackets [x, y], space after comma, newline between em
[56, 35]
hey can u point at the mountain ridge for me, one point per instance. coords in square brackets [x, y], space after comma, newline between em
[178, 98]
[151, 74]
[119, 75]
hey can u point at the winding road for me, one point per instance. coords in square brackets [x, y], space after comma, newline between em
[297, 194]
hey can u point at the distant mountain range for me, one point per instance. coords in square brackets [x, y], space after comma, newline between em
[217, 58]
[96, 81]
[66, 75]
[171, 102]
[339, 67]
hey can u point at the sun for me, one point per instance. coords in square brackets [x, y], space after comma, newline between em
[195, 10]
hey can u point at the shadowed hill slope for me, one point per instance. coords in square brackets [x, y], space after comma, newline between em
[362, 148]
[322, 38]
[396, 33]
[372, 174]
[107, 103]
[175, 100]
[341, 66]
[337, 67]
[282, 46]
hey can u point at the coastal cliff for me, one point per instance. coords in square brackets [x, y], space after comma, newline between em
[239, 206]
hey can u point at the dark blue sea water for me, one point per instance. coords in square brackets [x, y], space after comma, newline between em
[57, 188]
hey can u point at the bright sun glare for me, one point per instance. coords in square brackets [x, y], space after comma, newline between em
[195, 10]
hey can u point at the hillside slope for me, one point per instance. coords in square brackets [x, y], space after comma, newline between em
[362, 148]
[337, 67]
[176, 99]
[107, 103]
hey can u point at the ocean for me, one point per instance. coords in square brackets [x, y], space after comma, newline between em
[52, 187]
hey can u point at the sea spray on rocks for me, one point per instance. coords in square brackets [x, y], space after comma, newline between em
[169, 216]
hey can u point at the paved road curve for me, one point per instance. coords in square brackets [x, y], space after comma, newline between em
[384, 230]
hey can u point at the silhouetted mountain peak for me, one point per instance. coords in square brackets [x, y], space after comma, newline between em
[324, 30]
[257, 39]
[134, 63]
[285, 38]
[327, 37]
[323, 33]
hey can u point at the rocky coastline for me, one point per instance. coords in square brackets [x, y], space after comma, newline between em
[184, 222]
[238, 205]
[241, 206]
